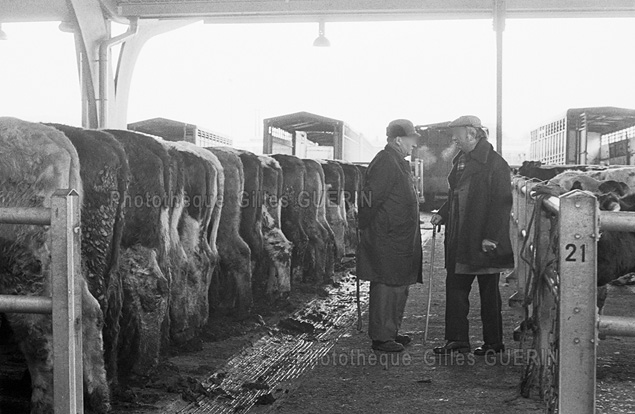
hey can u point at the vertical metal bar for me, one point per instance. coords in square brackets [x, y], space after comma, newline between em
[67, 302]
[578, 229]
[499, 27]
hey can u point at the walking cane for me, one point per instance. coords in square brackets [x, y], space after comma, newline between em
[432, 248]
[359, 305]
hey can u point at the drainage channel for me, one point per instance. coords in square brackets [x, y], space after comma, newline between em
[254, 374]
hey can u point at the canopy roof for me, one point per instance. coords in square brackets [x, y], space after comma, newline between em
[312, 10]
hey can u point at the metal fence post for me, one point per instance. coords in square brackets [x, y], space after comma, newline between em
[578, 231]
[66, 280]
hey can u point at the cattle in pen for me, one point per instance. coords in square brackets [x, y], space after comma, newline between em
[36, 161]
[277, 247]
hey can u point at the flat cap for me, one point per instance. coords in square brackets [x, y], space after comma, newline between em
[466, 121]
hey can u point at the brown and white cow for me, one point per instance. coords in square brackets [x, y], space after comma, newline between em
[292, 222]
[278, 249]
[251, 218]
[189, 301]
[231, 285]
[320, 267]
[36, 161]
[352, 185]
[335, 205]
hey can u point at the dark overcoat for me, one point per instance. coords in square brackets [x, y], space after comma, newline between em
[478, 207]
[389, 250]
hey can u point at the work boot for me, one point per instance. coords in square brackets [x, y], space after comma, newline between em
[489, 349]
[403, 339]
[451, 347]
[387, 346]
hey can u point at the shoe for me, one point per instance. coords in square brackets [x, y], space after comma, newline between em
[387, 346]
[403, 339]
[489, 349]
[452, 347]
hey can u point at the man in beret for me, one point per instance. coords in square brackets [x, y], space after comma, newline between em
[389, 251]
[477, 243]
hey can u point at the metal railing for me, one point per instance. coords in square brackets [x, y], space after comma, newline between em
[65, 303]
[555, 239]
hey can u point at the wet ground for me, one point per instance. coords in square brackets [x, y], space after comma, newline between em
[306, 355]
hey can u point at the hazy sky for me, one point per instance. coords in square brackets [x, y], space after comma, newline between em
[229, 77]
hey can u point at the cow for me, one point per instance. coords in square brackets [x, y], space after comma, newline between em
[352, 182]
[144, 256]
[251, 218]
[535, 169]
[36, 161]
[104, 172]
[321, 264]
[231, 284]
[615, 250]
[292, 223]
[277, 247]
[189, 301]
[334, 204]
[619, 180]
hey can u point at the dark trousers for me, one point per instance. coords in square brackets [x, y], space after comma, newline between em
[457, 307]
[385, 310]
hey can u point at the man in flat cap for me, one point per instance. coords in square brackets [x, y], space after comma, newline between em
[477, 243]
[389, 252]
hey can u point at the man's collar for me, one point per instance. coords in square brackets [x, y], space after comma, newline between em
[392, 148]
[480, 153]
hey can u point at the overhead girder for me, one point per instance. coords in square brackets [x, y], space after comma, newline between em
[105, 92]
[309, 10]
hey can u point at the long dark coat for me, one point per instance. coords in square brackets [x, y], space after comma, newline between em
[478, 207]
[389, 250]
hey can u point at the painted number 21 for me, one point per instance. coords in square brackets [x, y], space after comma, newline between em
[573, 249]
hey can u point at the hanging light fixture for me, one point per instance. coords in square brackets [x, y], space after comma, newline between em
[321, 40]
[3, 34]
[66, 27]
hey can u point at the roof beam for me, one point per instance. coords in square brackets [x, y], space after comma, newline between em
[352, 10]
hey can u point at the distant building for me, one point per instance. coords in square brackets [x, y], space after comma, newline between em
[180, 131]
[578, 136]
[309, 135]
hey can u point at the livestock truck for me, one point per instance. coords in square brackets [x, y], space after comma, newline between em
[431, 160]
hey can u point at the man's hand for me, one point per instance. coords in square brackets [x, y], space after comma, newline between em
[436, 220]
[488, 245]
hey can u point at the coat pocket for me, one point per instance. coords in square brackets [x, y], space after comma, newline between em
[401, 234]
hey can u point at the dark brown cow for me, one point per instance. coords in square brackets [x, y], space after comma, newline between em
[293, 177]
[320, 267]
[334, 203]
[352, 183]
[277, 247]
[144, 257]
[105, 174]
[36, 161]
[231, 285]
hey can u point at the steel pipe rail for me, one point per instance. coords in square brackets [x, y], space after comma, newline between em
[617, 221]
[616, 325]
[25, 215]
[609, 220]
[26, 304]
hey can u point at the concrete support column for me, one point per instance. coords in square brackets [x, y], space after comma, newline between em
[499, 27]
[91, 29]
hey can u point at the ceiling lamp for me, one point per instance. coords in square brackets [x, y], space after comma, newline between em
[3, 34]
[66, 27]
[321, 40]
